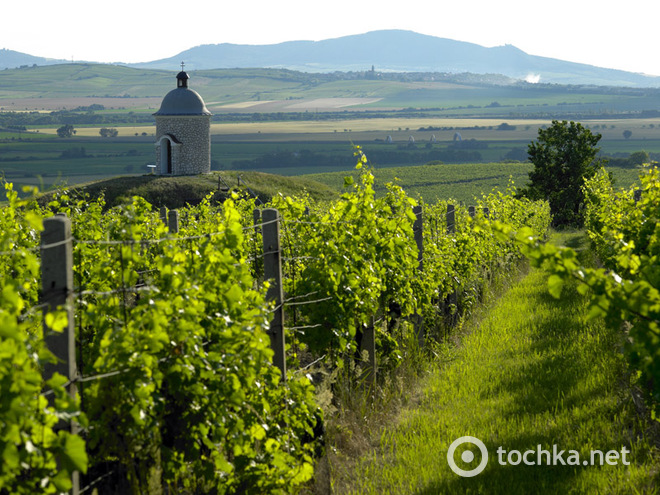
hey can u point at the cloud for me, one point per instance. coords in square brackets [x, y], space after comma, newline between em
[533, 78]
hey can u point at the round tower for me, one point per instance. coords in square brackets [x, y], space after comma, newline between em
[183, 132]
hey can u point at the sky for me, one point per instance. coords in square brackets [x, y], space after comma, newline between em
[618, 35]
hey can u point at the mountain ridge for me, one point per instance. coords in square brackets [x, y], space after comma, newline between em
[401, 51]
[392, 50]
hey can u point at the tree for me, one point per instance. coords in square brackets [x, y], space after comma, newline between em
[564, 155]
[627, 133]
[639, 158]
[506, 127]
[108, 132]
[66, 131]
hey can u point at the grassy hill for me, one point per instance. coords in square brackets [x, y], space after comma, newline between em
[175, 192]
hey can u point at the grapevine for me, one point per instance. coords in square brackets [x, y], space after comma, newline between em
[177, 386]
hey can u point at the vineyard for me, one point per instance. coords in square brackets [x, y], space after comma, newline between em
[624, 229]
[192, 344]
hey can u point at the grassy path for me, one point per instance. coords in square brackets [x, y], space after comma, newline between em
[531, 374]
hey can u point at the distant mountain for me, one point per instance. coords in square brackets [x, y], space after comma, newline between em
[9, 59]
[400, 51]
[386, 51]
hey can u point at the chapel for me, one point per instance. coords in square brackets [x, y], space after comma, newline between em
[183, 132]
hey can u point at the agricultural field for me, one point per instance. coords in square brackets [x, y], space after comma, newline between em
[487, 159]
[421, 129]
[69, 86]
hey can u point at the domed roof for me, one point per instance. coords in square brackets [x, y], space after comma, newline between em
[182, 100]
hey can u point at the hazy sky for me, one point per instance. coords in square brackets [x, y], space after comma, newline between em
[620, 35]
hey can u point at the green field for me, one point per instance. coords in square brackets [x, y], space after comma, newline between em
[45, 161]
[460, 182]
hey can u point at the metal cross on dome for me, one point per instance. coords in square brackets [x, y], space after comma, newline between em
[182, 66]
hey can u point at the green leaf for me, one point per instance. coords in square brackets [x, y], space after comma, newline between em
[62, 481]
[10, 457]
[555, 285]
[595, 311]
[57, 380]
[9, 328]
[74, 455]
[33, 220]
[57, 321]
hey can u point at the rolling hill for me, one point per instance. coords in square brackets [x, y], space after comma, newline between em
[249, 91]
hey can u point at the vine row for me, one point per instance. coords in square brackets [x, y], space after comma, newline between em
[175, 383]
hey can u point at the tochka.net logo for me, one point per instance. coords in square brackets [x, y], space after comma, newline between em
[532, 457]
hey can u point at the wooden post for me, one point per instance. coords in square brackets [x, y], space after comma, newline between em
[451, 229]
[637, 195]
[368, 344]
[451, 219]
[163, 214]
[418, 230]
[273, 274]
[471, 211]
[57, 293]
[486, 212]
[173, 221]
[256, 217]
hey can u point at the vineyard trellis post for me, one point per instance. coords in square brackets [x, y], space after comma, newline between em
[451, 229]
[57, 293]
[173, 221]
[418, 230]
[273, 274]
[451, 219]
[368, 343]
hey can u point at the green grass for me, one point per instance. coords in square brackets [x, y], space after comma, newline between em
[530, 372]
[175, 192]
[461, 182]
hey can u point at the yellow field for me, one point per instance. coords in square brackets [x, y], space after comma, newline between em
[357, 125]
[94, 131]
[641, 128]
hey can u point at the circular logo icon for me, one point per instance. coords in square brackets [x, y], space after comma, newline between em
[467, 456]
